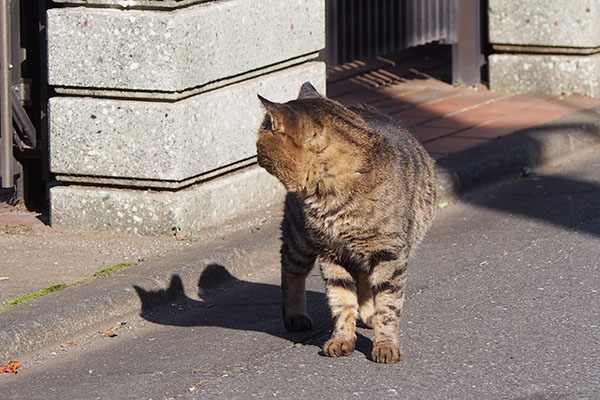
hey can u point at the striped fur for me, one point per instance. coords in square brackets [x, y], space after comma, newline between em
[361, 196]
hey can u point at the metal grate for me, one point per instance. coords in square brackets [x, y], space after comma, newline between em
[362, 29]
[430, 20]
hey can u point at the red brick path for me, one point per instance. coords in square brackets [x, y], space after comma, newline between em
[445, 118]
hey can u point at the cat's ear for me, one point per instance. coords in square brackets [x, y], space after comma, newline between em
[283, 118]
[308, 91]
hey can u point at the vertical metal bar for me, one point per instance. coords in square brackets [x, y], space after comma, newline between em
[401, 25]
[391, 21]
[438, 32]
[361, 23]
[383, 19]
[422, 25]
[378, 41]
[467, 56]
[451, 18]
[332, 45]
[411, 23]
[425, 8]
[368, 18]
[390, 37]
[349, 23]
[340, 34]
[6, 128]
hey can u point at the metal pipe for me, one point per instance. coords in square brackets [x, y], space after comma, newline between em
[6, 128]
[22, 119]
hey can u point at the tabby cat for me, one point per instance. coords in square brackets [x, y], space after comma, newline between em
[361, 195]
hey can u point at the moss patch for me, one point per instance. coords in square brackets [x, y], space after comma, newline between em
[113, 269]
[61, 286]
[29, 297]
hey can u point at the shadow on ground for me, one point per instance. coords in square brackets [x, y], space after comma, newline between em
[231, 303]
[568, 203]
[566, 199]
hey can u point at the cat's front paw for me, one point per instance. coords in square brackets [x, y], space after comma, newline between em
[387, 353]
[297, 322]
[338, 347]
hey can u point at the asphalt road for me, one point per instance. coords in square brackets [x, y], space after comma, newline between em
[503, 303]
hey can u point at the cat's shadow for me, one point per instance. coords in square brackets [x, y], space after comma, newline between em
[227, 302]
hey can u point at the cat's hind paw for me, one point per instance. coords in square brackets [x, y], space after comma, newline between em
[387, 353]
[338, 347]
[298, 323]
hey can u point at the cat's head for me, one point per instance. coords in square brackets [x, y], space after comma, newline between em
[290, 136]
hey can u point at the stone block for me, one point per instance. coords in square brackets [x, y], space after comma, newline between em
[549, 74]
[173, 51]
[159, 212]
[162, 142]
[137, 4]
[557, 23]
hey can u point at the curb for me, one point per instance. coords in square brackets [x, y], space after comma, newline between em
[58, 317]
[82, 309]
[508, 155]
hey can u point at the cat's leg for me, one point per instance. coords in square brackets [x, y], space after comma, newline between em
[341, 294]
[387, 284]
[366, 305]
[297, 259]
[293, 290]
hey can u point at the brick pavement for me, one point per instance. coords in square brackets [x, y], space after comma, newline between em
[443, 117]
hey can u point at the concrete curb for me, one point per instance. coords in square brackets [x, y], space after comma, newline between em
[508, 155]
[77, 310]
[100, 303]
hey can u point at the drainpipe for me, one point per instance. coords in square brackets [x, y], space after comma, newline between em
[6, 128]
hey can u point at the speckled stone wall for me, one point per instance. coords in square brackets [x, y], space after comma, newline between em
[168, 141]
[155, 119]
[160, 212]
[177, 50]
[551, 74]
[562, 23]
[545, 46]
[138, 4]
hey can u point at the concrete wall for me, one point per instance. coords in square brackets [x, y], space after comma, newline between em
[545, 46]
[154, 125]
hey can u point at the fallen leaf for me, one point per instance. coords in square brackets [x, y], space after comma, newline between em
[12, 367]
[110, 334]
[63, 346]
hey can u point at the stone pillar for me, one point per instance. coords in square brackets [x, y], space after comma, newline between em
[155, 119]
[545, 46]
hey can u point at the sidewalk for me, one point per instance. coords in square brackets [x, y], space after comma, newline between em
[475, 136]
[444, 118]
